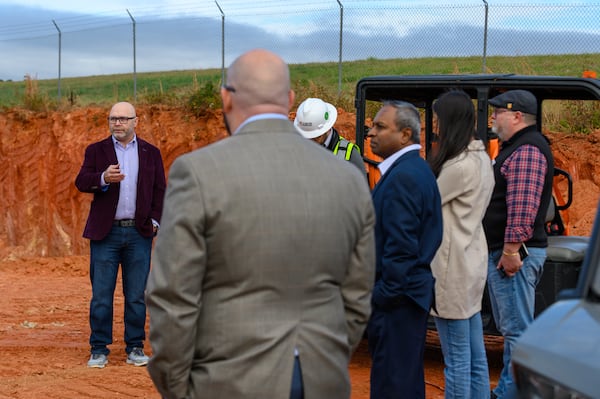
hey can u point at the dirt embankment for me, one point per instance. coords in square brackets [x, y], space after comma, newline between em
[44, 214]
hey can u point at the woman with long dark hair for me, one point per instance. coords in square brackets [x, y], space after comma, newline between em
[465, 178]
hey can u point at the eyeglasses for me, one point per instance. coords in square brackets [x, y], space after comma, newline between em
[498, 111]
[229, 88]
[121, 119]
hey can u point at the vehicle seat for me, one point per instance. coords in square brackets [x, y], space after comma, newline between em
[563, 248]
[564, 257]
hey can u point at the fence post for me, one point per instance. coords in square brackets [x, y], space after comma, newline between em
[222, 43]
[59, 54]
[485, 31]
[134, 59]
[340, 57]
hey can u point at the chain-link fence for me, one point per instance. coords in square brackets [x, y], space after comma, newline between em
[211, 35]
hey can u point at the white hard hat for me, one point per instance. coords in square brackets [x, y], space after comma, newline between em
[314, 117]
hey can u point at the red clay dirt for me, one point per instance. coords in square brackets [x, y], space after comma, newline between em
[44, 260]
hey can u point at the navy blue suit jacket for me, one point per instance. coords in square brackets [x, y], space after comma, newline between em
[150, 188]
[408, 232]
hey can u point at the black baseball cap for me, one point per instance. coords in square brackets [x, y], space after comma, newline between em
[516, 100]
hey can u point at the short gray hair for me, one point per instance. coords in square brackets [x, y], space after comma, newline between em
[407, 115]
[529, 119]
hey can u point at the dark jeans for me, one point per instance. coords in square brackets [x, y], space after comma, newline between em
[397, 345]
[124, 246]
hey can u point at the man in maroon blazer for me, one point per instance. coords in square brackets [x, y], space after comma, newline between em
[126, 176]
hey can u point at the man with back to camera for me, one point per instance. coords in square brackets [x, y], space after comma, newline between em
[515, 220]
[261, 284]
[126, 176]
[315, 119]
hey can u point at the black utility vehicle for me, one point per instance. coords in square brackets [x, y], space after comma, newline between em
[554, 95]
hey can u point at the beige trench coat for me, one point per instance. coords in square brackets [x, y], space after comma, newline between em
[460, 264]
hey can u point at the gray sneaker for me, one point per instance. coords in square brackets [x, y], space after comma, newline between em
[97, 361]
[137, 357]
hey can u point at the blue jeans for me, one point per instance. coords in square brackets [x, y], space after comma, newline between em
[513, 304]
[466, 368]
[125, 246]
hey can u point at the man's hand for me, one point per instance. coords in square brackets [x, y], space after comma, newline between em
[510, 261]
[113, 174]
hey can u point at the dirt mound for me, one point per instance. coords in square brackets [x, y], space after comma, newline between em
[578, 155]
[44, 214]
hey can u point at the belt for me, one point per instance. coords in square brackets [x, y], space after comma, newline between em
[124, 223]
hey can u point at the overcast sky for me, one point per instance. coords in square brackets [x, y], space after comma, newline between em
[97, 37]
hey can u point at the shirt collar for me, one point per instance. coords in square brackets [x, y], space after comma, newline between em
[260, 117]
[328, 139]
[117, 142]
[386, 163]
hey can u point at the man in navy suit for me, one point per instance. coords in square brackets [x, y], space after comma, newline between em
[127, 177]
[408, 232]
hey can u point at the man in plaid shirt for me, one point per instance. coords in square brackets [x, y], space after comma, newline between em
[515, 219]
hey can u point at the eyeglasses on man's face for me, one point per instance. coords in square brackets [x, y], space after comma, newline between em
[229, 88]
[498, 111]
[120, 119]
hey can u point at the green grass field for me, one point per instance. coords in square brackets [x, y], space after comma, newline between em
[198, 88]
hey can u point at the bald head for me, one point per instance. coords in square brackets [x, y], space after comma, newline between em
[123, 108]
[261, 80]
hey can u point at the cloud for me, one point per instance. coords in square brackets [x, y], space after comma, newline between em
[98, 45]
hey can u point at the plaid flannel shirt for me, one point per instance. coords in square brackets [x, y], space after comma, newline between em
[525, 172]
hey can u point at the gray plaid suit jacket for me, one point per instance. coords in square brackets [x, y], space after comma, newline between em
[266, 246]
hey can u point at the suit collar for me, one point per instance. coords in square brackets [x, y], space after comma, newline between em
[108, 147]
[405, 155]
